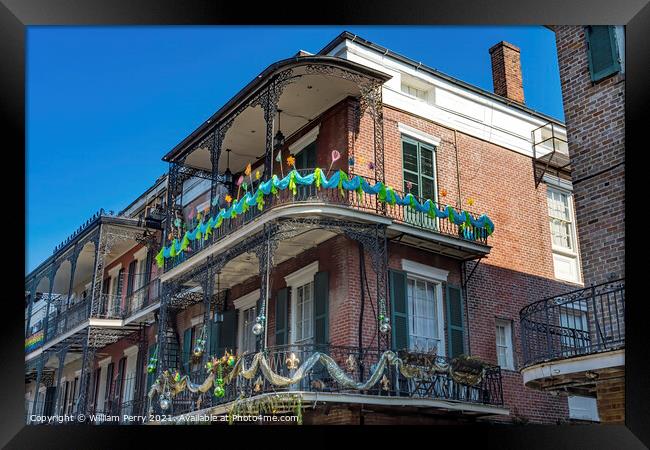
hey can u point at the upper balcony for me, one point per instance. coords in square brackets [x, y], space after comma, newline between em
[569, 339]
[330, 164]
[438, 227]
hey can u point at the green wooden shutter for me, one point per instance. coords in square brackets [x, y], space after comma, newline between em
[213, 338]
[228, 332]
[602, 51]
[187, 349]
[455, 322]
[399, 310]
[130, 278]
[281, 316]
[320, 308]
[310, 155]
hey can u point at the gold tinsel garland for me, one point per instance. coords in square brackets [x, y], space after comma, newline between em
[463, 370]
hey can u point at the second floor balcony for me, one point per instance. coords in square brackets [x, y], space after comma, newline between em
[573, 334]
[305, 192]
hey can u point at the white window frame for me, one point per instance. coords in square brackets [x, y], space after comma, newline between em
[435, 276]
[507, 330]
[131, 354]
[589, 406]
[294, 281]
[103, 365]
[244, 303]
[564, 187]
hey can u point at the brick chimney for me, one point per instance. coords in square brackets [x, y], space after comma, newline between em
[506, 71]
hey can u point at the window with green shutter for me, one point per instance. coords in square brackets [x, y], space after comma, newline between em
[602, 51]
[320, 307]
[455, 321]
[281, 316]
[399, 310]
[228, 332]
[187, 350]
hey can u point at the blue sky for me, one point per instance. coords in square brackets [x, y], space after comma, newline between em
[104, 104]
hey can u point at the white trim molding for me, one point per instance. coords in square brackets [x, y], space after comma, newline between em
[558, 183]
[114, 271]
[305, 140]
[196, 320]
[131, 351]
[247, 300]
[140, 254]
[422, 270]
[302, 276]
[417, 134]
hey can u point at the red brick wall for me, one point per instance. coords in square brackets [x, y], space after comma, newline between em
[595, 121]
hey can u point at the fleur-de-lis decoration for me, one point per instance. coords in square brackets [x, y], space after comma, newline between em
[258, 384]
[291, 161]
[385, 383]
[351, 363]
[443, 192]
[470, 201]
[292, 361]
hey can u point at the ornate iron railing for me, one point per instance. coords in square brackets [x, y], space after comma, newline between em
[63, 320]
[311, 194]
[358, 364]
[580, 322]
[142, 297]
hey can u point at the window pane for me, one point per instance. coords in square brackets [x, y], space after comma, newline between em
[426, 161]
[410, 156]
[427, 189]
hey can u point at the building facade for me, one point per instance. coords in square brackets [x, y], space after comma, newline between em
[320, 228]
[576, 341]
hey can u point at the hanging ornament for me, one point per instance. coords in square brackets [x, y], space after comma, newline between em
[219, 391]
[258, 328]
[177, 377]
[384, 324]
[385, 383]
[292, 361]
[198, 350]
[351, 363]
[258, 384]
[165, 402]
[153, 362]
[177, 222]
[231, 361]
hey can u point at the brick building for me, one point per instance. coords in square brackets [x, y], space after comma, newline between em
[307, 269]
[577, 340]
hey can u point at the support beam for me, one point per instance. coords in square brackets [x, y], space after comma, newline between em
[39, 373]
[57, 396]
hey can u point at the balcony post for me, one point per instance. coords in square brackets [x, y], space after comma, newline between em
[52, 275]
[162, 329]
[39, 374]
[207, 287]
[57, 396]
[73, 268]
[264, 253]
[270, 106]
[215, 154]
[98, 276]
[88, 359]
[32, 294]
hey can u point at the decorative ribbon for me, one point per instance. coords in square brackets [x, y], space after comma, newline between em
[339, 180]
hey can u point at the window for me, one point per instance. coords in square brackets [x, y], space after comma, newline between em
[418, 168]
[304, 317]
[575, 331]
[504, 344]
[423, 315]
[249, 317]
[563, 234]
[603, 51]
[306, 158]
[414, 92]
[559, 213]
[583, 408]
[303, 298]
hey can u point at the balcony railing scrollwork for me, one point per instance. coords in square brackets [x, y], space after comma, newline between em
[581, 322]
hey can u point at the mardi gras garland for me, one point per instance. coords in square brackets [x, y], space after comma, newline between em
[463, 369]
[339, 180]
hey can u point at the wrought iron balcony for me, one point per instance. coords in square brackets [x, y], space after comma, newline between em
[64, 319]
[142, 298]
[310, 194]
[582, 322]
[435, 380]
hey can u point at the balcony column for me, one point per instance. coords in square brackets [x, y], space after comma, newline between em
[87, 361]
[163, 312]
[39, 373]
[264, 253]
[73, 268]
[207, 287]
[215, 153]
[49, 301]
[32, 294]
[57, 394]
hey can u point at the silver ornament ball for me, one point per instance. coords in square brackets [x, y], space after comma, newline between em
[384, 327]
[165, 403]
[257, 329]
